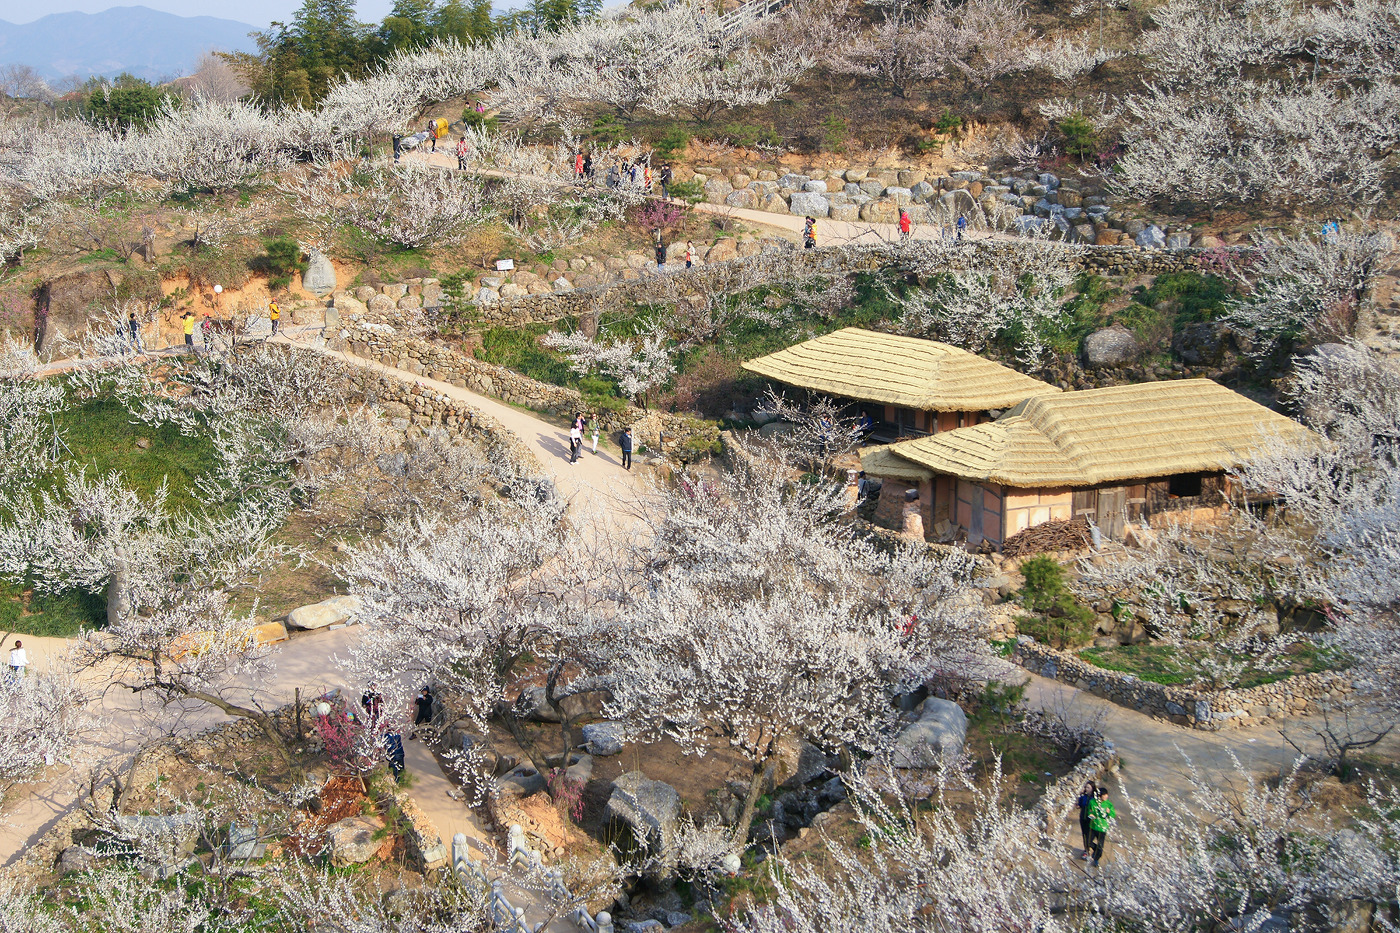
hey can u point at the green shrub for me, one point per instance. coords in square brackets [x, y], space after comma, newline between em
[1081, 139]
[1196, 297]
[743, 134]
[690, 191]
[479, 121]
[672, 143]
[947, 122]
[518, 349]
[835, 131]
[1058, 619]
[281, 258]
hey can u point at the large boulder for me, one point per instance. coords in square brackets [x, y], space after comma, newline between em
[809, 204]
[604, 738]
[649, 807]
[716, 190]
[1111, 346]
[325, 613]
[165, 842]
[1202, 344]
[725, 248]
[319, 277]
[352, 840]
[1151, 238]
[937, 736]
[380, 304]
[534, 704]
[742, 198]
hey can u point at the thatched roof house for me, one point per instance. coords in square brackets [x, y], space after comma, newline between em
[923, 385]
[1111, 455]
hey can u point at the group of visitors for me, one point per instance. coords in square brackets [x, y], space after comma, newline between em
[589, 426]
[373, 703]
[1095, 815]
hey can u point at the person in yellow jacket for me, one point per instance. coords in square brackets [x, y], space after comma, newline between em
[189, 330]
[273, 313]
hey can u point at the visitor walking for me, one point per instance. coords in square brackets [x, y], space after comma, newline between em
[1086, 797]
[593, 429]
[809, 233]
[372, 701]
[424, 716]
[274, 314]
[398, 146]
[462, 150]
[1101, 815]
[905, 225]
[134, 326]
[666, 177]
[626, 444]
[660, 252]
[19, 660]
[206, 332]
[588, 168]
[689, 254]
[962, 225]
[575, 442]
[189, 330]
[578, 166]
[393, 750]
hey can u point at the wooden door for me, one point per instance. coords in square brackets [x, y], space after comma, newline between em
[1085, 504]
[1113, 511]
[974, 531]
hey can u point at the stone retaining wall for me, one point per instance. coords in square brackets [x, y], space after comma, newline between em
[1199, 709]
[1059, 798]
[675, 436]
[414, 407]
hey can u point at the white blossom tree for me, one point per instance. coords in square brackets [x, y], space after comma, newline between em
[639, 365]
[764, 621]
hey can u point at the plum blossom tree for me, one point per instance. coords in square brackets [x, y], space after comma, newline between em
[639, 365]
[764, 621]
[1307, 288]
[45, 719]
[1018, 291]
[408, 205]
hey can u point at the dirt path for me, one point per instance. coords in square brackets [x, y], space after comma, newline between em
[1154, 753]
[597, 480]
[829, 232]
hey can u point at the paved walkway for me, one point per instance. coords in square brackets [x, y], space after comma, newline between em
[829, 232]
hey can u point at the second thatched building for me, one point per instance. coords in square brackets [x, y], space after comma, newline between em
[1109, 455]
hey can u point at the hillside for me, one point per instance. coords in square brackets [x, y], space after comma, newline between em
[141, 41]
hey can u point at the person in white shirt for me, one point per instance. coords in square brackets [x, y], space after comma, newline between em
[18, 659]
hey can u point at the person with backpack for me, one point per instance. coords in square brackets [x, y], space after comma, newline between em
[809, 234]
[905, 224]
[1101, 816]
[625, 442]
[1086, 796]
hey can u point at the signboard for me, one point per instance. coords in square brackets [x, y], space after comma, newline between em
[505, 265]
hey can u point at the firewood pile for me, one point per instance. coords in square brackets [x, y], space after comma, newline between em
[1067, 535]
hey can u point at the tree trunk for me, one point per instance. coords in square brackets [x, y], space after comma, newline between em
[263, 720]
[741, 829]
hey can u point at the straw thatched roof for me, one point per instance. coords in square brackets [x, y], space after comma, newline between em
[893, 370]
[1101, 436]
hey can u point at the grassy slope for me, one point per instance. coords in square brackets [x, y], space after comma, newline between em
[102, 439]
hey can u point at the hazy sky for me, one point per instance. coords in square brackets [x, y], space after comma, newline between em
[255, 12]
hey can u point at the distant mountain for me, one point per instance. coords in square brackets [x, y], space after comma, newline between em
[144, 42]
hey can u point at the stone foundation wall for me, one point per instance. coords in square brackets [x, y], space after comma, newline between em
[1199, 709]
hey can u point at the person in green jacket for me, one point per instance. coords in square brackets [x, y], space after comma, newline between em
[1101, 813]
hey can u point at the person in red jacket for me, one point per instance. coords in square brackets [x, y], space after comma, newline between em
[905, 225]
